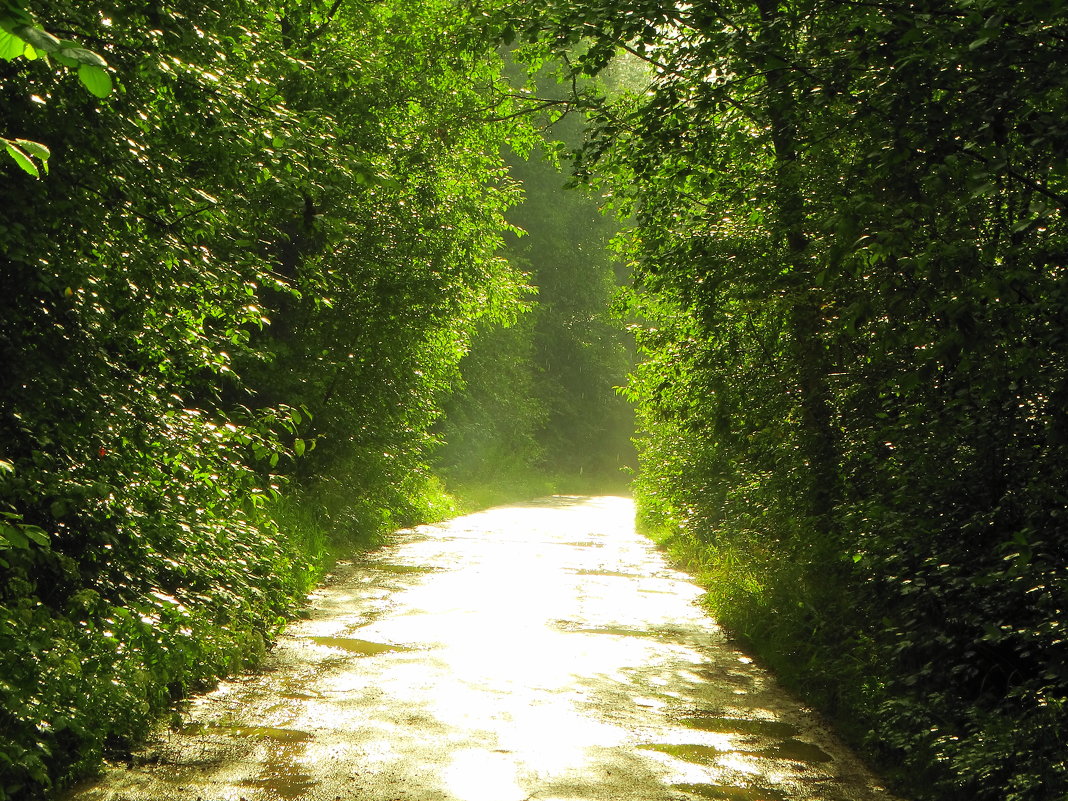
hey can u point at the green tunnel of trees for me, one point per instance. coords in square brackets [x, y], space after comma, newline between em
[264, 296]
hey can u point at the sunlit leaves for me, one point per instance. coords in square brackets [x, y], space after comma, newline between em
[70, 54]
[20, 37]
[14, 534]
[23, 152]
[11, 46]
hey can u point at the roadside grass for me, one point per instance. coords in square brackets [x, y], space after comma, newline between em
[786, 610]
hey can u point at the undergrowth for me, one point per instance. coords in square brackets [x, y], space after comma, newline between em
[88, 664]
[935, 731]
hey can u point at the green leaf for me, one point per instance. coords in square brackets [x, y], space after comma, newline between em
[6, 466]
[34, 148]
[64, 60]
[299, 447]
[81, 56]
[14, 16]
[37, 150]
[13, 537]
[42, 40]
[35, 534]
[22, 159]
[11, 47]
[95, 79]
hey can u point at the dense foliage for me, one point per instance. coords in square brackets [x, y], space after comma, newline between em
[230, 311]
[849, 251]
[245, 248]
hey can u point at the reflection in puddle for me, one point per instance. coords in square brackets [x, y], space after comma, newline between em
[793, 750]
[763, 728]
[617, 631]
[797, 751]
[282, 777]
[296, 695]
[362, 647]
[284, 781]
[254, 732]
[648, 703]
[699, 754]
[722, 792]
[387, 568]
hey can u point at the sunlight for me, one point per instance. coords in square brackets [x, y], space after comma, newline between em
[477, 775]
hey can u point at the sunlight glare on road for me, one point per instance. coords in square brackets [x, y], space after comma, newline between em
[474, 775]
[542, 651]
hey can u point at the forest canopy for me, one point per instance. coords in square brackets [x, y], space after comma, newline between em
[259, 260]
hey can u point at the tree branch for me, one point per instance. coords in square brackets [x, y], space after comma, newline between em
[326, 23]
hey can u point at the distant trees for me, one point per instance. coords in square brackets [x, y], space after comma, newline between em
[540, 405]
[849, 246]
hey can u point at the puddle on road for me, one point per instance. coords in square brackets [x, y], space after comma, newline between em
[283, 778]
[573, 627]
[723, 792]
[253, 732]
[792, 750]
[797, 751]
[388, 568]
[296, 695]
[616, 631]
[361, 647]
[698, 754]
[725, 725]
[287, 786]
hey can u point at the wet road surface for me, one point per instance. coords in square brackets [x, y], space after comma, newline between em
[543, 651]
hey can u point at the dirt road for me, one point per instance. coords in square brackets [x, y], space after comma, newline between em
[543, 651]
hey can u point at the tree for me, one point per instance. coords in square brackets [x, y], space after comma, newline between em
[848, 225]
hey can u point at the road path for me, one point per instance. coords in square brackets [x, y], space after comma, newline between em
[543, 651]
